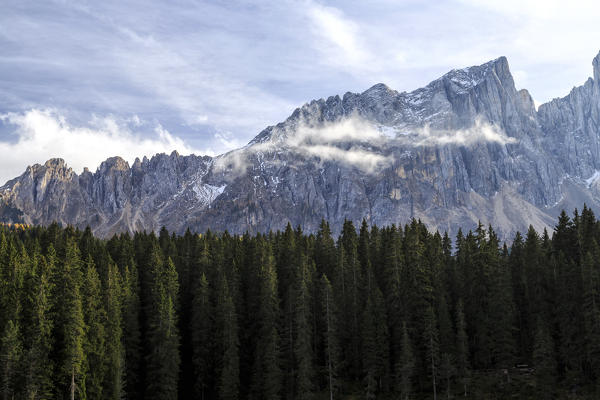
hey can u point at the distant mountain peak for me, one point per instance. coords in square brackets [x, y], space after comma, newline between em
[469, 77]
[116, 163]
[466, 147]
[379, 89]
[596, 66]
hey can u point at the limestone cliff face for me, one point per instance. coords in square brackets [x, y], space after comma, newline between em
[467, 147]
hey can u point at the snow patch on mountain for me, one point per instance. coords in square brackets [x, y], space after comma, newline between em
[208, 193]
[590, 181]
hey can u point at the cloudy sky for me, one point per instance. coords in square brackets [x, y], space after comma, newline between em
[84, 80]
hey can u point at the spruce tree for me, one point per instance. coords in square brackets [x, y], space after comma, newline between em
[266, 373]
[163, 336]
[69, 323]
[591, 313]
[391, 284]
[229, 382]
[352, 298]
[375, 339]
[544, 361]
[431, 341]
[303, 352]
[115, 353]
[11, 353]
[330, 338]
[447, 342]
[11, 346]
[501, 307]
[462, 348]
[38, 332]
[94, 344]
[325, 254]
[288, 267]
[405, 367]
[201, 336]
[131, 331]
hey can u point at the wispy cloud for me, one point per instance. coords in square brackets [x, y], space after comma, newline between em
[358, 143]
[216, 73]
[339, 38]
[40, 135]
[481, 131]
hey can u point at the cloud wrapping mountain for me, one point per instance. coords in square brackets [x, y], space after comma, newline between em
[40, 134]
[467, 147]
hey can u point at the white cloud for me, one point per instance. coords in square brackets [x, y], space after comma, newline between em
[238, 66]
[352, 128]
[356, 129]
[360, 158]
[480, 132]
[41, 135]
[339, 38]
[346, 141]
[356, 142]
[326, 142]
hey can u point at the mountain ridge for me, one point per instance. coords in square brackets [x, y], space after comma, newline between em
[466, 147]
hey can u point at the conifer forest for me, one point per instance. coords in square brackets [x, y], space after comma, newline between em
[374, 313]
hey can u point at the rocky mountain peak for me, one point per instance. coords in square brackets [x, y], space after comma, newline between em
[379, 91]
[452, 101]
[55, 163]
[54, 168]
[596, 66]
[113, 164]
[466, 147]
[469, 77]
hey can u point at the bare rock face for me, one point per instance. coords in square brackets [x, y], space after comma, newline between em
[468, 147]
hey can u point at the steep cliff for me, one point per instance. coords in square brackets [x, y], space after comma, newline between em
[467, 147]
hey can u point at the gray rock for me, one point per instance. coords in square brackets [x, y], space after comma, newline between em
[468, 147]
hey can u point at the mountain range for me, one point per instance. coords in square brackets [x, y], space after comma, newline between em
[467, 147]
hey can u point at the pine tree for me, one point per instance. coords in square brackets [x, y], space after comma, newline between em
[267, 374]
[431, 340]
[544, 361]
[201, 336]
[11, 346]
[501, 307]
[462, 348]
[288, 273]
[12, 274]
[38, 381]
[107, 330]
[11, 352]
[391, 284]
[353, 304]
[163, 336]
[115, 353]
[131, 308]
[591, 313]
[405, 368]
[375, 339]
[369, 348]
[447, 371]
[325, 251]
[94, 344]
[303, 352]
[447, 341]
[69, 320]
[229, 385]
[330, 337]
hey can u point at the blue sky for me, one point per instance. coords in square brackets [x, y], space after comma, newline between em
[85, 80]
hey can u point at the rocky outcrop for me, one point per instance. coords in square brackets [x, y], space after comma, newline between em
[467, 147]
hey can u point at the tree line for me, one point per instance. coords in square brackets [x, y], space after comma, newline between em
[390, 312]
